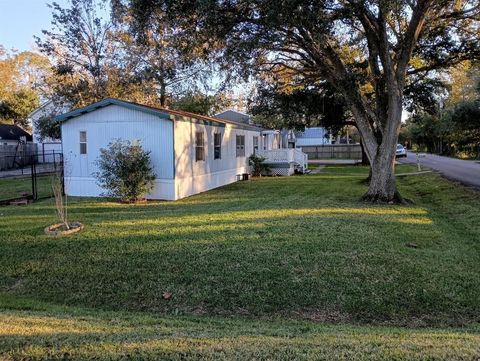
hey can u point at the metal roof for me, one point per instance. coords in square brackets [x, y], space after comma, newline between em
[234, 115]
[161, 112]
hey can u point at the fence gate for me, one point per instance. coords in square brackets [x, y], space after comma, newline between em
[25, 177]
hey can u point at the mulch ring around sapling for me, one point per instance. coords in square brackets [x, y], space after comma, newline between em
[60, 229]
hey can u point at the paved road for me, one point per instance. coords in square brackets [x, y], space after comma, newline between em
[464, 171]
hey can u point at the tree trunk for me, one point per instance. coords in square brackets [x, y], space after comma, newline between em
[163, 95]
[382, 187]
[365, 160]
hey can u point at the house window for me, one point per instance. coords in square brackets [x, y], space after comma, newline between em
[264, 141]
[240, 146]
[217, 145]
[255, 144]
[83, 142]
[199, 146]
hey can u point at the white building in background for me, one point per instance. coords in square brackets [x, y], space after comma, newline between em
[46, 148]
[312, 137]
[190, 153]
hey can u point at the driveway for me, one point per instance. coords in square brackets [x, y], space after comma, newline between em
[463, 171]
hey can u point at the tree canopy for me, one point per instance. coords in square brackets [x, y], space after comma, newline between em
[161, 53]
[452, 125]
[369, 51]
[20, 85]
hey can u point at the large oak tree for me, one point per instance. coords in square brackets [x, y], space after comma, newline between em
[368, 50]
[161, 51]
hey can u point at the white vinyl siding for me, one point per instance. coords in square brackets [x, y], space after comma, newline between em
[103, 126]
[192, 177]
[171, 140]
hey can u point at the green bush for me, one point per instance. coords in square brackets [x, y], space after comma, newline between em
[125, 171]
[257, 163]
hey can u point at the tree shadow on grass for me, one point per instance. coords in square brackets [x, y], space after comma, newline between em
[249, 265]
[55, 332]
[262, 252]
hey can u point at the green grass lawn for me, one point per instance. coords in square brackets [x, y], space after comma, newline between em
[273, 268]
[15, 187]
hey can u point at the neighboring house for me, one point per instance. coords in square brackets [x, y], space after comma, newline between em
[46, 148]
[13, 135]
[312, 137]
[16, 147]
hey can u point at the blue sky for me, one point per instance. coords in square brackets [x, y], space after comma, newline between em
[20, 20]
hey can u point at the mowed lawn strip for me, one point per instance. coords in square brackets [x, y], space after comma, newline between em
[36, 331]
[297, 247]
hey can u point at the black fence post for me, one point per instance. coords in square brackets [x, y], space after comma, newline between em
[62, 174]
[32, 171]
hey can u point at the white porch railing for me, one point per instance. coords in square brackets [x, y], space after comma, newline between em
[291, 155]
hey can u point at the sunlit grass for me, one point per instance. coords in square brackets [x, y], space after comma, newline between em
[11, 188]
[297, 248]
[61, 332]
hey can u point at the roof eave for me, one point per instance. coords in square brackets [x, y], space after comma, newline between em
[164, 114]
[106, 102]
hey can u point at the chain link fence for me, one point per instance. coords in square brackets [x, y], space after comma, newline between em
[25, 176]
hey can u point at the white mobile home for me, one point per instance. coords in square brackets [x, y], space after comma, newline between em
[190, 153]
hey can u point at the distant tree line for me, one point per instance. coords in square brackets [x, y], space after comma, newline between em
[93, 50]
[452, 125]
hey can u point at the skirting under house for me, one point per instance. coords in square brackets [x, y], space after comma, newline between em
[281, 169]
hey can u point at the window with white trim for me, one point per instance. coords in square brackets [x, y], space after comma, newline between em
[199, 146]
[83, 142]
[255, 144]
[240, 141]
[217, 145]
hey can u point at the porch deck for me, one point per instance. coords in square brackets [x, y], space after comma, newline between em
[285, 161]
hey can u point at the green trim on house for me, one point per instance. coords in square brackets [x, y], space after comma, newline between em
[161, 113]
[109, 101]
